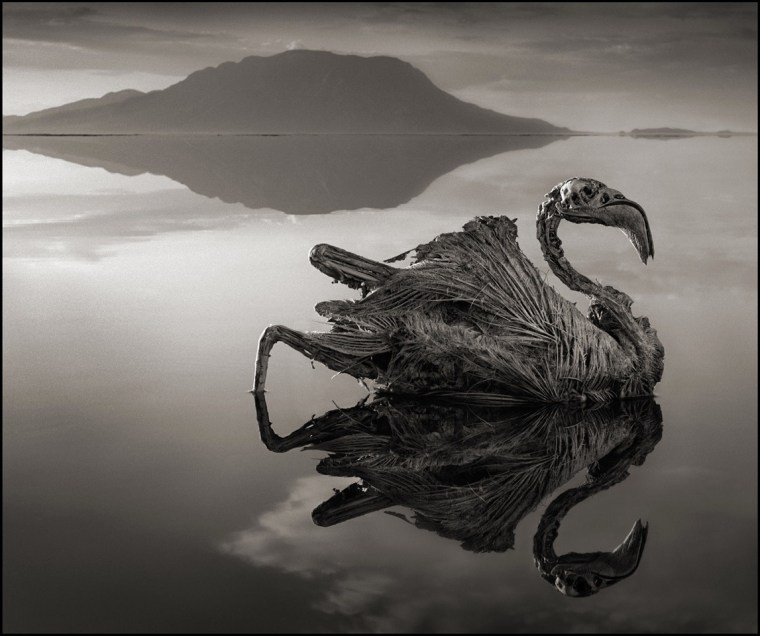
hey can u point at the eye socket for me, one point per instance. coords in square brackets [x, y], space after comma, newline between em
[587, 191]
[605, 197]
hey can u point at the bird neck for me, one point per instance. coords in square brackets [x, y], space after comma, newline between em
[551, 246]
[610, 309]
[642, 419]
[548, 526]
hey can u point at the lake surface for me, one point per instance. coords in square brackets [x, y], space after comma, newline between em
[138, 275]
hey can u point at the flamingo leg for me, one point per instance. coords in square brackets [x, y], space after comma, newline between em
[350, 352]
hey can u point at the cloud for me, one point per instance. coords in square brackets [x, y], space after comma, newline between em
[379, 574]
[79, 26]
[349, 562]
[89, 227]
[51, 37]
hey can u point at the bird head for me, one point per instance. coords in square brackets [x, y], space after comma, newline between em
[584, 200]
[576, 574]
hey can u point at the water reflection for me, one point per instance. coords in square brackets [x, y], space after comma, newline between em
[128, 454]
[296, 174]
[471, 473]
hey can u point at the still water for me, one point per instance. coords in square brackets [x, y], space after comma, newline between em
[138, 274]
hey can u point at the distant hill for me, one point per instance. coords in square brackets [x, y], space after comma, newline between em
[292, 92]
[676, 133]
[664, 132]
[77, 108]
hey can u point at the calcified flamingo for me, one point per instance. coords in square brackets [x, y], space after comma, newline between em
[472, 316]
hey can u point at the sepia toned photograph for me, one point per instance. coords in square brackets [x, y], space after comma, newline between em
[374, 317]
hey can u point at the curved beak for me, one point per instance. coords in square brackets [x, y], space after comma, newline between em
[610, 207]
[630, 217]
[574, 571]
[628, 554]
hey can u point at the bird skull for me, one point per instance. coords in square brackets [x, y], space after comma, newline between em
[584, 200]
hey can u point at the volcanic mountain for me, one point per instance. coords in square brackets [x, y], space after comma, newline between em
[292, 92]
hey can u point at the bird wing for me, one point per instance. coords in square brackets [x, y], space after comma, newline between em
[476, 312]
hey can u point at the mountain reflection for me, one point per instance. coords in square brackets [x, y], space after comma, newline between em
[471, 473]
[296, 174]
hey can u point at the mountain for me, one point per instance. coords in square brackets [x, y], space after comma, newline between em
[76, 108]
[297, 174]
[292, 92]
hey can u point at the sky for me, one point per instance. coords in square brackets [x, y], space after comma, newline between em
[588, 66]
